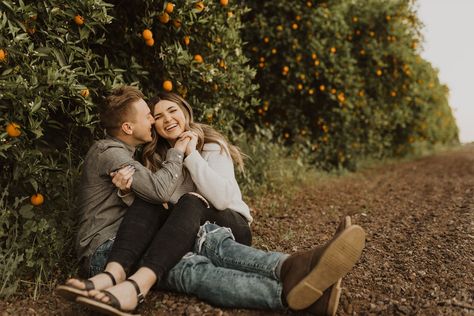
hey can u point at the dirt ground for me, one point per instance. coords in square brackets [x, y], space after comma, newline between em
[419, 255]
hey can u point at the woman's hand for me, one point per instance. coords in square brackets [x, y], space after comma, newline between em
[192, 143]
[123, 179]
[192, 140]
[182, 143]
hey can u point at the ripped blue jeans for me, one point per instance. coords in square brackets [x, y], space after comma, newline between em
[226, 273]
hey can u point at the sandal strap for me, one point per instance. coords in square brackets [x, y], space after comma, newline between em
[140, 296]
[88, 284]
[114, 282]
[113, 301]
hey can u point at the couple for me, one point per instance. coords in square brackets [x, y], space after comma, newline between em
[178, 221]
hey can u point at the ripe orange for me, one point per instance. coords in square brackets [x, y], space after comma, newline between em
[274, 50]
[333, 50]
[199, 6]
[222, 63]
[266, 39]
[167, 85]
[79, 20]
[286, 69]
[198, 58]
[224, 2]
[150, 42]
[3, 55]
[186, 40]
[37, 199]
[13, 130]
[147, 34]
[85, 92]
[169, 7]
[294, 26]
[322, 87]
[379, 72]
[164, 18]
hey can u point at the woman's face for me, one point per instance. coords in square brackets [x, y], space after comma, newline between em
[170, 121]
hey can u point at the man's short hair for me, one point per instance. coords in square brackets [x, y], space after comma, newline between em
[117, 108]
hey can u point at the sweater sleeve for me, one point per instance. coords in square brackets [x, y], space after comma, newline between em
[214, 177]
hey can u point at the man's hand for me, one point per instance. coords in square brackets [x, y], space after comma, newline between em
[123, 179]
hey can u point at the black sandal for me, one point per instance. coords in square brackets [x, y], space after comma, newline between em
[70, 292]
[112, 307]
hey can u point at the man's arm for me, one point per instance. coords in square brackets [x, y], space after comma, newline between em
[153, 187]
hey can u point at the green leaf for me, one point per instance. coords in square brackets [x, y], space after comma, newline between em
[27, 211]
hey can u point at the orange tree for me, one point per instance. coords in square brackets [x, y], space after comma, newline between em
[57, 61]
[344, 80]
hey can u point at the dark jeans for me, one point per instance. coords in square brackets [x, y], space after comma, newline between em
[158, 238]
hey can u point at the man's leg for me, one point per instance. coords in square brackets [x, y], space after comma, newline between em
[219, 245]
[197, 275]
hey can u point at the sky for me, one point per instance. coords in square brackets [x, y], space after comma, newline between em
[449, 46]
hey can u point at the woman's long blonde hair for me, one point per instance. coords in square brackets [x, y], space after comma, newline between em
[154, 153]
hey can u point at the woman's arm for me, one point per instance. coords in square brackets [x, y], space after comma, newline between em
[214, 177]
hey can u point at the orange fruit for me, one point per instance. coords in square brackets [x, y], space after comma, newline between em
[79, 20]
[222, 63]
[224, 2]
[333, 50]
[31, 30]
[199, 6]
[378, 72]
[322, 87]
[37, 199]
[3, 55]
[198, 58]
[266, 39]
[167, 85]
[164, 18]
[13, 130]
[177, 23]
[294, 26]
[85, 92]
[186, 40]
[274, 50]
[147, 34]
[230, 14]
[150, 42]
[169, 7]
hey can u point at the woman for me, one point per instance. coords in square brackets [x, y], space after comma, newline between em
[209, 165]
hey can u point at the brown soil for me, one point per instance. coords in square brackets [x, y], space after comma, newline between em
[419, 256]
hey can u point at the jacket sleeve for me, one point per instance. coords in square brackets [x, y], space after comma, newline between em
[154, 187]
[214, 177]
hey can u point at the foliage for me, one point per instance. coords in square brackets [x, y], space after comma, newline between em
[59, 58]
[344, 78]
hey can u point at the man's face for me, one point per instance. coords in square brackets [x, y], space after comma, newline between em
[141, 121]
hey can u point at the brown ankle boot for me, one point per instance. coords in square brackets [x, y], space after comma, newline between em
[306, 275]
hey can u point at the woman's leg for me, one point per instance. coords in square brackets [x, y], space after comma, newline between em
[138, 228]
[139, 225]
[178, 234]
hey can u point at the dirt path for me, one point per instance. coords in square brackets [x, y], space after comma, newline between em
[419, 258]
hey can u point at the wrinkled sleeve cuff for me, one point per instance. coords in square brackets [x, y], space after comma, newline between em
[174, 155]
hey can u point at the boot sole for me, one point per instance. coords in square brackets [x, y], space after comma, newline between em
[334, 298]
[337, 260]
